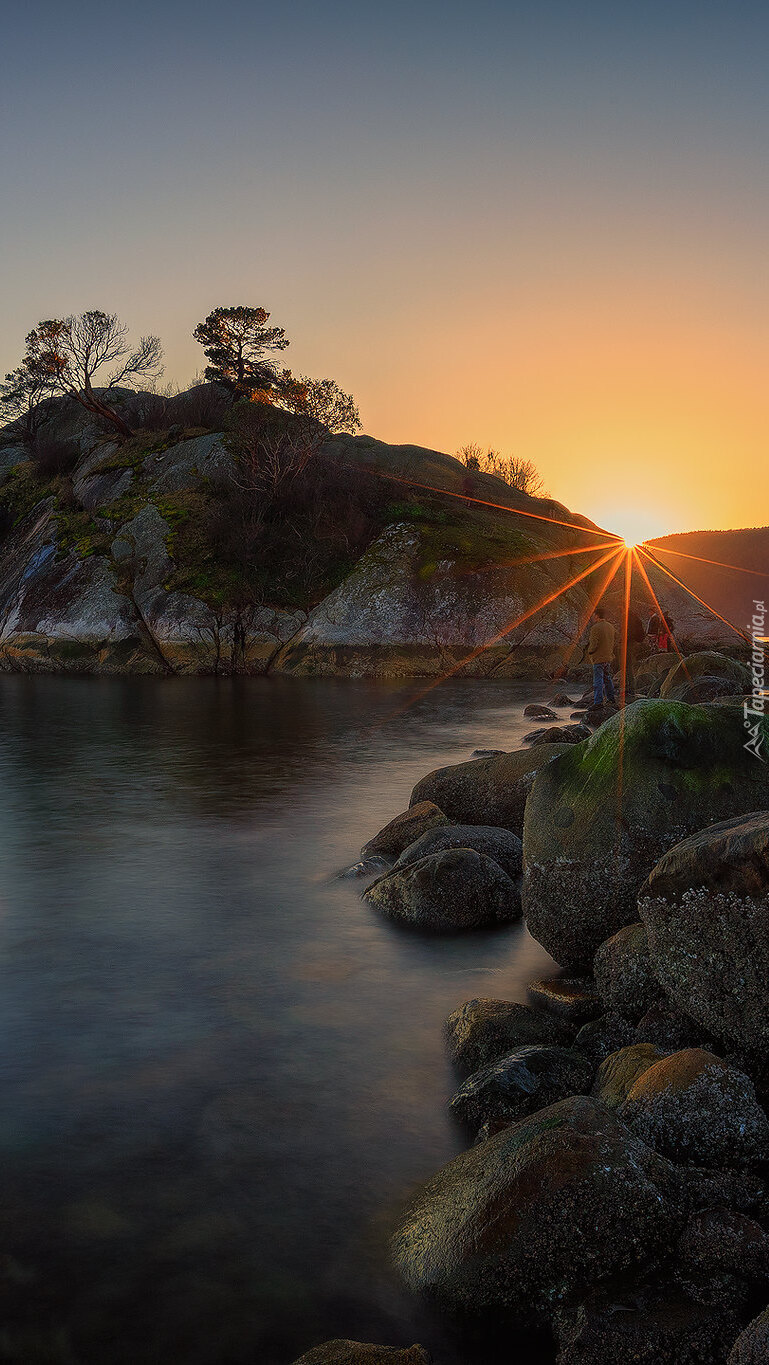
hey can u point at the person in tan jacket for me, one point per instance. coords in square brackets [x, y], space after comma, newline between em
[600, 648]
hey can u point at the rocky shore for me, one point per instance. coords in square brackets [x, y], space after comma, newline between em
[615, 1188]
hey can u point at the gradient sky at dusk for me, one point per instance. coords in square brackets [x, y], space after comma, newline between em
[540, 226]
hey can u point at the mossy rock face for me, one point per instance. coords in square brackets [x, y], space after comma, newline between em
[536, 1214]
[486, 791]
[602, 814]
[708, 663]
[692, 1106]
[341, 1352]
[619, 1072]
[706, 910]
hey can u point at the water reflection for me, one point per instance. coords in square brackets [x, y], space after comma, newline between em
[221, 1072]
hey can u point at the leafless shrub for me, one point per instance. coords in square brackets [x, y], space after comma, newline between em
[520, 474]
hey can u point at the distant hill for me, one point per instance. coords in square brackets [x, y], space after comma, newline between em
[731, 591]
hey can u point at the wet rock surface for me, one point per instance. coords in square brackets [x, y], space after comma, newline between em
[504, 847]
[484, 1030]
[499, 1227]
[573, 998]
[403, 830]
[520, 1083]
[558, 734]
[453, 889]
[485, 791]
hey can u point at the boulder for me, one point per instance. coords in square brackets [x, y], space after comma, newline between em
[652, 1323]
[619, 1072]
[501, 845]
[752, 1345]
[671, 1030]
[739, 1190]
[485, 791]
[706, 910]
[623, 973]
[537, 712]
[601, 814]
[558, 734]
[703, 689]
[538, 1213]
[405, 829]
[651, 673]
[723, 1241]
[570, 997]
[596, 715]
[604, 1035]
[520, 1083]
[561, 699]
[708, 663]
[456, 888]
[362, 1353]
[483, 1030]
[692, 1106]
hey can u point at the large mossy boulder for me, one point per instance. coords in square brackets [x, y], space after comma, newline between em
[500, 844]
[600, 816]
[341, 1352]
[706, 910]
[482, 1030]
[538, 1213]
[486, 791]
[520, 1083]
[454, 889]
[693, 1106]
[710, 664]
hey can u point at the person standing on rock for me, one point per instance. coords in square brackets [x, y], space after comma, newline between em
[600, 648]
[636, 635]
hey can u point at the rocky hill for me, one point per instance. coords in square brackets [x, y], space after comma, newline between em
[730, 569]
[390, 561]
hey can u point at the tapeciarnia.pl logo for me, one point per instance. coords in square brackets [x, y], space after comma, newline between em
[755, 709]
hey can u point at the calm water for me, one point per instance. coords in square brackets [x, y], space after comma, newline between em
[221, 1072]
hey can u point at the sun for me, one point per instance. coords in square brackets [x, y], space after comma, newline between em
[634, 523]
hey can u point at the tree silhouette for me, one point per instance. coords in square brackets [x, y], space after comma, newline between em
[237, 343]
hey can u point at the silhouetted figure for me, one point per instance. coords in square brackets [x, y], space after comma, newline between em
[600, 648]
[636, 635]
[660, 631]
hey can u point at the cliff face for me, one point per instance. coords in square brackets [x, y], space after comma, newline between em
[110, 569]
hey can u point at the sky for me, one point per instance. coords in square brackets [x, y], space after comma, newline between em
[539, 226]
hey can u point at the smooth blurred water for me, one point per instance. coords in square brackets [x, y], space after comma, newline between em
[222, 1073]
